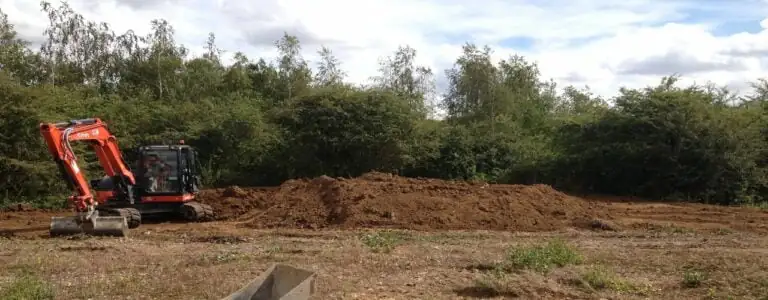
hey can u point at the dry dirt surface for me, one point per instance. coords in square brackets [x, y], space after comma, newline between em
[386, 237]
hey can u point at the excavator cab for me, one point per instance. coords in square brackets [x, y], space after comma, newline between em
[167, 170]
[167, 182]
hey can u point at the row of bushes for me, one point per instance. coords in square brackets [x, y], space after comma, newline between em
[258, 122]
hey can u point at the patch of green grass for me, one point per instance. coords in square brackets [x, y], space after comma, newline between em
[543, 258]
[714, 294]
[761, 291]
[383, 241]
[760, 205]
[273, 250]
[495, 285]
[693, 278]
[26, 286]
[601, 278]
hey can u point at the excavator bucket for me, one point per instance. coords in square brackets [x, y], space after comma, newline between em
[279, 282]
[97, 226]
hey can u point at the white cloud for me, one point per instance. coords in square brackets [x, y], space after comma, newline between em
[614, 35]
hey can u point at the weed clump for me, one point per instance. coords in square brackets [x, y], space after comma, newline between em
[601, 278]
[383, 241]
[543, 258]
[27, 286]
[693, 278]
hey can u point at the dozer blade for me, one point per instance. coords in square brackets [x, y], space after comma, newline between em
[97, 226]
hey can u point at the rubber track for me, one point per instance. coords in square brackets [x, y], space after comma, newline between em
[132, 215]
[203, 211]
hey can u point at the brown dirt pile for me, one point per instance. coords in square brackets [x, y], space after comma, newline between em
[233, 202]
[384, 200]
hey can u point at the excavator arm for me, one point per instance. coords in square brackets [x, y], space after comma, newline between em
[58, 137]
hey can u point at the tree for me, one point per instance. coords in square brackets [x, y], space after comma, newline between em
[295, 76]
[329, 72]
[400, 75]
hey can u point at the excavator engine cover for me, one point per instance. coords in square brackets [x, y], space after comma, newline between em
[97, 226]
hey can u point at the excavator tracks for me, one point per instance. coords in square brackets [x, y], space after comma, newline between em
[132, 216]
[197, 212]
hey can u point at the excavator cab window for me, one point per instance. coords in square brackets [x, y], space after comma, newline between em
[159, 171]
[189, 170]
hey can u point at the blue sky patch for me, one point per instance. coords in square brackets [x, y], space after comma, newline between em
[518, 42]
[734, 27]
[725, 20]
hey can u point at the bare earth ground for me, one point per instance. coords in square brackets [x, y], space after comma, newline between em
[442, 241]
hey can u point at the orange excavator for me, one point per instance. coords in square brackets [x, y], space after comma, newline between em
[167, 181]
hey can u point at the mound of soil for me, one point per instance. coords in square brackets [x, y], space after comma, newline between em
[384, 200]
[232, 202]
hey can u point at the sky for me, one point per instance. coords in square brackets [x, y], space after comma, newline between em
[601, 44]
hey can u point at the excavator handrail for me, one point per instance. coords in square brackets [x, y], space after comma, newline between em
[59, 135]
[62, 125]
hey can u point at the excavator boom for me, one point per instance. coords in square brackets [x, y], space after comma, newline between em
[58, 137]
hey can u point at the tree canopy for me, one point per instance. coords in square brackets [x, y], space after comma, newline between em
[260, 121]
